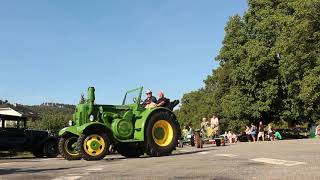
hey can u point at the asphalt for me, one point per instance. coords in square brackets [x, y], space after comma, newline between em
[288, 159]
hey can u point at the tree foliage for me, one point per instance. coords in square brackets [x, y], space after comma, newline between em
[269, 68]
[51, 118]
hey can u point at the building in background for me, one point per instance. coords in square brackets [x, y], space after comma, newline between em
[15, 115]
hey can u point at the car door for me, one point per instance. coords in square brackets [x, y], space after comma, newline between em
[12, 137]
[16, 137]
[4, 143]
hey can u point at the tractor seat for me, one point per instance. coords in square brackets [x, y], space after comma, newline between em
[173, 104]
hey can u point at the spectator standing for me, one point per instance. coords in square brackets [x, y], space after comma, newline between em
[270, 132]
[261, 131]
[234, 138]
[248, 132]
[229, 136]
[253, 132]
[318, 131]
[204, 126]
[190, 130]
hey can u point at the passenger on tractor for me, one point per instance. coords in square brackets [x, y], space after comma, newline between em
[162, 101]
[165, 102]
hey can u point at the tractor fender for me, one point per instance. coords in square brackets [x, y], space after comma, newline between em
[142, 123]
[78, 130]
[68, 130]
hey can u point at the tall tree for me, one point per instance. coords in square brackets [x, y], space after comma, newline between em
[269, 67]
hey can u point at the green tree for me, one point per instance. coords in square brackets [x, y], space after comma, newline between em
[269, 68]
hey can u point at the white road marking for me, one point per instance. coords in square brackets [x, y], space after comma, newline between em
[82, 174]
[278, 161]
[95, 168]
[7, 163]
[39, 160]
[68, 178]
[203, 152]
[226, 155]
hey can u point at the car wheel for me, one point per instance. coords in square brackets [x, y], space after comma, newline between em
[38, 152]
[51, 149]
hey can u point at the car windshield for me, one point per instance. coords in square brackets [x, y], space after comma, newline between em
[132, 96]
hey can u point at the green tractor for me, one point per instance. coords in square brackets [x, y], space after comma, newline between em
[132, 129]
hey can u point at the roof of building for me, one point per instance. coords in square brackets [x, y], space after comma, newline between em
[16, 110]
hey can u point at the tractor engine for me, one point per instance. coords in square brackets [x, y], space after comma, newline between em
[122, 128]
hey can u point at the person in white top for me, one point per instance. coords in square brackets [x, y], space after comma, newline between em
[248, 132]
[214, 124]
[318, 131]
[270, 133]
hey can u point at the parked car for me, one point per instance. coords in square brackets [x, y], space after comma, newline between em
[295, 133]
[16, 137]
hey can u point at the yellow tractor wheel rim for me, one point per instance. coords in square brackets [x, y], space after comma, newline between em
[162, 133]
[94, 145]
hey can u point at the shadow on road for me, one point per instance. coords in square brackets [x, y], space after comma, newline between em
[7, 171]
[113, 158]
[110, 159]
[192, 152]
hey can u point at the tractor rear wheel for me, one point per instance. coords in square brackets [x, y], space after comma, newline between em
[129, 150]
[93, 146]
[68, 147]
[162, 134]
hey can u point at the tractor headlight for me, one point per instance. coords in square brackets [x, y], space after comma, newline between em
[91, 117]
[70, 123]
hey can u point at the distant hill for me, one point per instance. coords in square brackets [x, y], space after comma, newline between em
[58, 105]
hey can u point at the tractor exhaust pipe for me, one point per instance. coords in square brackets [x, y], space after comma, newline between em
[90, 99]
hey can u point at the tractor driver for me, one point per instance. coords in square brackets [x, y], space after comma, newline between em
[150, 101]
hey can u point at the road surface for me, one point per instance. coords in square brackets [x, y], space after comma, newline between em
[290, 159]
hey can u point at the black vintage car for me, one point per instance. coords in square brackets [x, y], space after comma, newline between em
[16, 137]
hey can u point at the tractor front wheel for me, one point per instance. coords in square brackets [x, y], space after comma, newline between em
[162, 134]
[93, 146]
[68, 147]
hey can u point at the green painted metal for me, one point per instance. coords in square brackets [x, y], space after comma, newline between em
[126, 122]
[159, 133]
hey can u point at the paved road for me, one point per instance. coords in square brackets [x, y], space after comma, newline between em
[292, 159]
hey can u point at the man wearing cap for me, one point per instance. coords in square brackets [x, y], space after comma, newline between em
[150, 99]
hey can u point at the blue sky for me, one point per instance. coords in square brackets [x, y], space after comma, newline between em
[52, 50]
